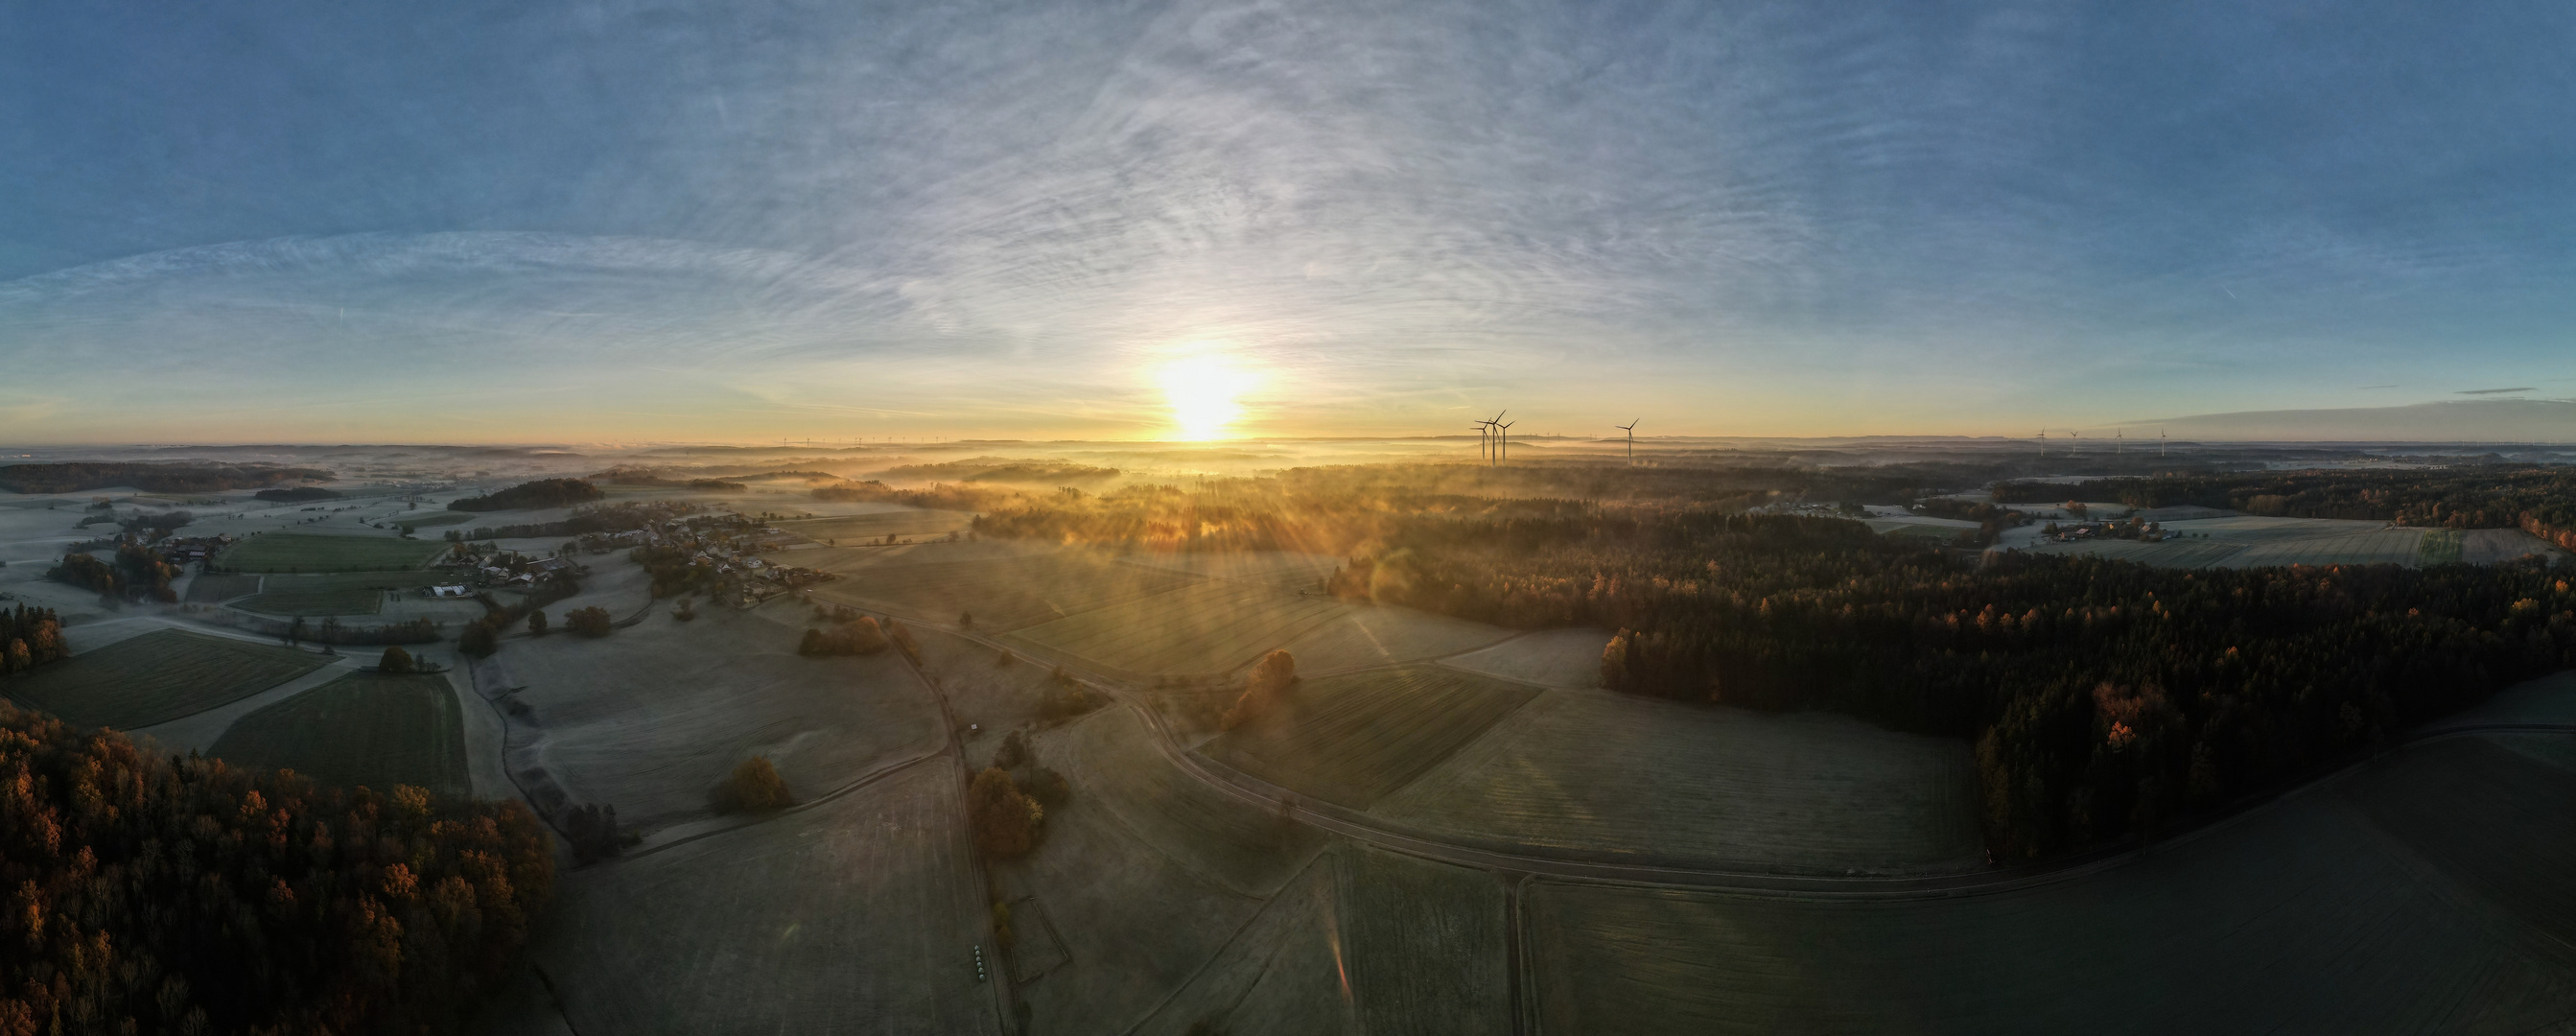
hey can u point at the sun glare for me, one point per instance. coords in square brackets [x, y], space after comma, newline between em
[1203, 390]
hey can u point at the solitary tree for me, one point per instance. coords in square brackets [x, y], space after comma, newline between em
[395, 660]
[1005, 820]
[1267, 684]
[477, 639]
[537, 623]
[755, 787]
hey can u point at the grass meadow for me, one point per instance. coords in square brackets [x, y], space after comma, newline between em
[366, 728]
[315, 552]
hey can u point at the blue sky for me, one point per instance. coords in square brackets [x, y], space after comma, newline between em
[743, 220]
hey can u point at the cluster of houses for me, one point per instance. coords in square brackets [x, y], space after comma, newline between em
[477, 569]
[182, 551]
[731, 544]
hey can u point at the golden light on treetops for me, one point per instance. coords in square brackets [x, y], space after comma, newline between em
[1204, 389]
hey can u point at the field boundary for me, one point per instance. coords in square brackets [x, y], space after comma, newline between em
[1637, 870]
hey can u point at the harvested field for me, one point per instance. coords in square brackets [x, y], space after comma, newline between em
[312, 552]
[2550, 699]
[337, 593]
[1003, 593]
[1549, 658]
[156, 678]
[996, 697]
[2488, 546]
[1354, 739]
[857, 915]
[1596, 771]
[1137, 922]
[1287, 570]
[857, 528]
[1213, 627]
[1425, 944]
[2168, 554]
[2378, 547]
[367, 729]
[1370, 635]
[1360, 941]
[649, 719]
[218, 588]
[2370, 909]
[2439, 547]
[1110, 757]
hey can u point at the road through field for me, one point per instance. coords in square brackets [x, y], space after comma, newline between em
[1629, 869]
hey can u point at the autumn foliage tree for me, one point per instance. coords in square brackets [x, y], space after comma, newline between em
[593, 621]
[30, 637]
[153, 893]
[860, 636]
[1005, 819]
[754, 787]
[1264, 688]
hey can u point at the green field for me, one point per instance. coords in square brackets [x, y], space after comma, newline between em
[312, 552]
[1595, 771]
[218, 588]
[1284, 569]
[857, 528]
[1004, 593]
[1353, 739]
[2439, 547]
[1369, 635]
[2395, 903]
[2246, 541]
[1211, 627]
[156, 678]
[366, 729]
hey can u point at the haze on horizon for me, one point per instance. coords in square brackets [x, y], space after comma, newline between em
[753, 221]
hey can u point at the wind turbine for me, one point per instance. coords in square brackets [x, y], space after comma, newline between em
[1504, 429]
[1631, 429]
[1495, 424]
[2043, 442]
[1484, 438]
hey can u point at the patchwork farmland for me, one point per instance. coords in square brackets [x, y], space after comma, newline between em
[1212, 627]
[1353, 739]
[313, 552]
[157, 677]
[1003, 593]
[1806, 792]
[369, 729]
[858, 528]
[338, 593]
[2368, 908]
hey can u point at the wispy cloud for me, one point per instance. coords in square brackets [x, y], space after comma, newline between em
[2491, 391]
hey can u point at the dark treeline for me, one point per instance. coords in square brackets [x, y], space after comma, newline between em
[2541, 501]
[30, 637]
[298, 495]
[137, 573]
[160, 894]
[542, 493]
[1003, 469]
[196, 477]
[2104, 697]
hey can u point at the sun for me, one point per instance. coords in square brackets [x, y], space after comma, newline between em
[1204, 391]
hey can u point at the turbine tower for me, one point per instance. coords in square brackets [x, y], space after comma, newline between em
[1484, 439]
[1504, 441]
[1631, 429]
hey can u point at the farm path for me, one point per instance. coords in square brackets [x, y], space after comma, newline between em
[1628, 869]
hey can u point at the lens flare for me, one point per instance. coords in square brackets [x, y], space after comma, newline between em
[1204, 390]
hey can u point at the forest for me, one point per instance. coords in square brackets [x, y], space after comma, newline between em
[2104, 698]
[189, 477]
[2541, 501]
[528, 496]
[30, 637]
[175, 894]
